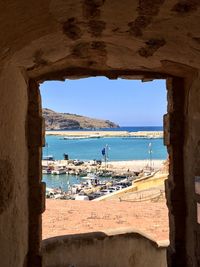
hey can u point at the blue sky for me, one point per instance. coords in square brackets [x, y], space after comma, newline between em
[125, 102]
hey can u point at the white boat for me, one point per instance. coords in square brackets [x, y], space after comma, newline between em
[59, 171]
[81, 197]
[75, 188]
[91, 179]
[75, 137]
[46, 171]
[54, 193]
[48, 158]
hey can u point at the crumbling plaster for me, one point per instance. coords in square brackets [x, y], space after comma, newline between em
[192, 168]
[100, 34]
[13, 168]
[108, 249]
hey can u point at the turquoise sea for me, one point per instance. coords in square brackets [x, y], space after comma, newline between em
[89, 149]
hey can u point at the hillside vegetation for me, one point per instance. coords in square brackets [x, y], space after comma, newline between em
[65, 121]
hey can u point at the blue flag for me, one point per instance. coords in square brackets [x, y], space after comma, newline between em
[103, 151]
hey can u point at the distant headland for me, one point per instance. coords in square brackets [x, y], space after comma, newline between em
[66, 121]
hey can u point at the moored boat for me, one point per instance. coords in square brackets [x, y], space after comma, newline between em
[48, 158]
[91, 179]
[59, 171]
[46, 171]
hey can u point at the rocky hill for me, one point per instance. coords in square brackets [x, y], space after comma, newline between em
[65, 121]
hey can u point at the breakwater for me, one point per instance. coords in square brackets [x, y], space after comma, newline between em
[101, 134]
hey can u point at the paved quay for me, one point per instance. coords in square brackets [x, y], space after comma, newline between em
[64, 217]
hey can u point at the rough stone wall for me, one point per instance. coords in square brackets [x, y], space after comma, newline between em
[102, 250]
[55, 39]
[192, 169]
[36, 201]
[13, 168]
[175, 186]
[182, 139]
[55, 35]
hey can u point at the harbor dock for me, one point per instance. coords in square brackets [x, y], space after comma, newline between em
[95, 179]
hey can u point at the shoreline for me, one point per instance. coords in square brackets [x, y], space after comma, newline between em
[100, 134]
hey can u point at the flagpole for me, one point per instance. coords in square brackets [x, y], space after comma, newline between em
[106, 154]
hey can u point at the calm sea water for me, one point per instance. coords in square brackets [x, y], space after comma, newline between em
[89, 149]
[124, 128]
[119, 148]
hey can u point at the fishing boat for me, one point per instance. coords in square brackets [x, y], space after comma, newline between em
[46, 171]
[91, 179]
[55, 193]
[105, 173]
[74, 137]
[48, 158]
[81, 197]
[59, 171]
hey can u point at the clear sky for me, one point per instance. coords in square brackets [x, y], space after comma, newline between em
[125, 102]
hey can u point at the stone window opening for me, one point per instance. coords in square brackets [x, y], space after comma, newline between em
[174, 143]
[154, 93]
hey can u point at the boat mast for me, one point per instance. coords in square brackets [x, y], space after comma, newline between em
[150, 156]
[47, 146]
[106, 155]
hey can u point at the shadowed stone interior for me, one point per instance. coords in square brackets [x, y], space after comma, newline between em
[57, 39]
[6, 184]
